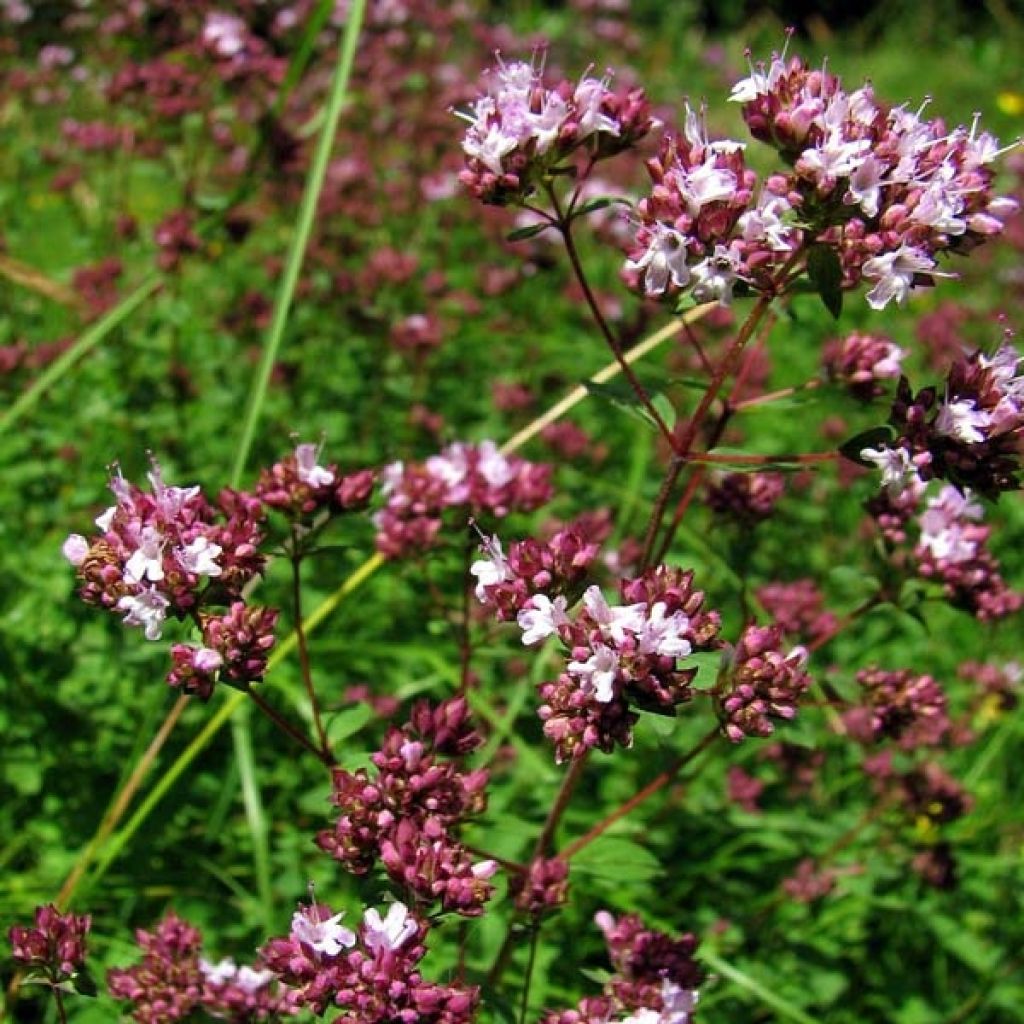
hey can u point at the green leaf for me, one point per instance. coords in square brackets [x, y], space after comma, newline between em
[873, 438]
[622, 396]
[780, 1005]
[613, 857]
[348, 722]
[530, 231]
[826, 274]
[600, 203]
[84, 983]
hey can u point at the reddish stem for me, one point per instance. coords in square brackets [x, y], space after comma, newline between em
[300, 637]
[325, 757]
[652, 787]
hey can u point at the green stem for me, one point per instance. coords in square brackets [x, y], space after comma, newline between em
[85, 344]
[300, 240]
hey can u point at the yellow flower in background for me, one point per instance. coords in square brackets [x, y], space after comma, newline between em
[1011, 103]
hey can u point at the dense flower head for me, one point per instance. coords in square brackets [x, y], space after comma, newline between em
[701, 231]
[798, 607]
[999, 680]
[371, 974]
[620, 657]
[761, 683]
[952, 550]
[809, 882]
[899, 705]
[970, 433]
[299, 486]
[543, 887]
[888, 188]
[655, 979]
[478, 479]
[745, 498]
[55, 945]
[861, 362]
[554, 566]
[521, 128]
[173, 981]
[883, 188]
[169, 552]
[403, 814]
[929, 791]
[156, 551]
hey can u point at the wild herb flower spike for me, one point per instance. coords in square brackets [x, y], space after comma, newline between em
[885, 189]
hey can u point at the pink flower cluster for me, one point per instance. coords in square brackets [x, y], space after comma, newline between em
[745, 498]
[555, 566]
[299, 486]
[883, 188]
[889, 189]
[520, 129]
[902, 706]
[798, 607]
[404, 814]
[861, 362]
[54, 946]
[169, 552]
[477, 479]
[971, 433]
[621, 656]
[655, 978]
[372, 975]
[761, 683]
[700, 230]
[952, 549]
[174, 981]
[543, 887]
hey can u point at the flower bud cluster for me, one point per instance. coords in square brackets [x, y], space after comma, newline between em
[971, 435]
[543, 887]
[762, 683]
[520, 129]
[555, 566]
[299, 486]
[655, 981]
[889, 189]
[54, 946]
[621, 656]
[929, 791]
[861, 362]
[478, 479]
[372, 975]
[901, 706]
[745, 498]
[174, 981]
[799, 608]
[405, 813]
[169, 552]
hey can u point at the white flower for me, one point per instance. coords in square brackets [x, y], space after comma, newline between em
[219, 973]
[392, 932]
[664, 635]
[308, 471]
[587, 97]
[493, 466]
[75, 549]
[224, 34]
[490, 571]
[329, 937]
[963, 420]
[895, 272]
[704, 184]
[147, 561]
[105, 519]
[200, 557]
[898, 470]
[598, 672]
[148, 609]
[766, 224]
[663, 261]
[866, 185]
[614, 620]
[714, 277]
[541, 617]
